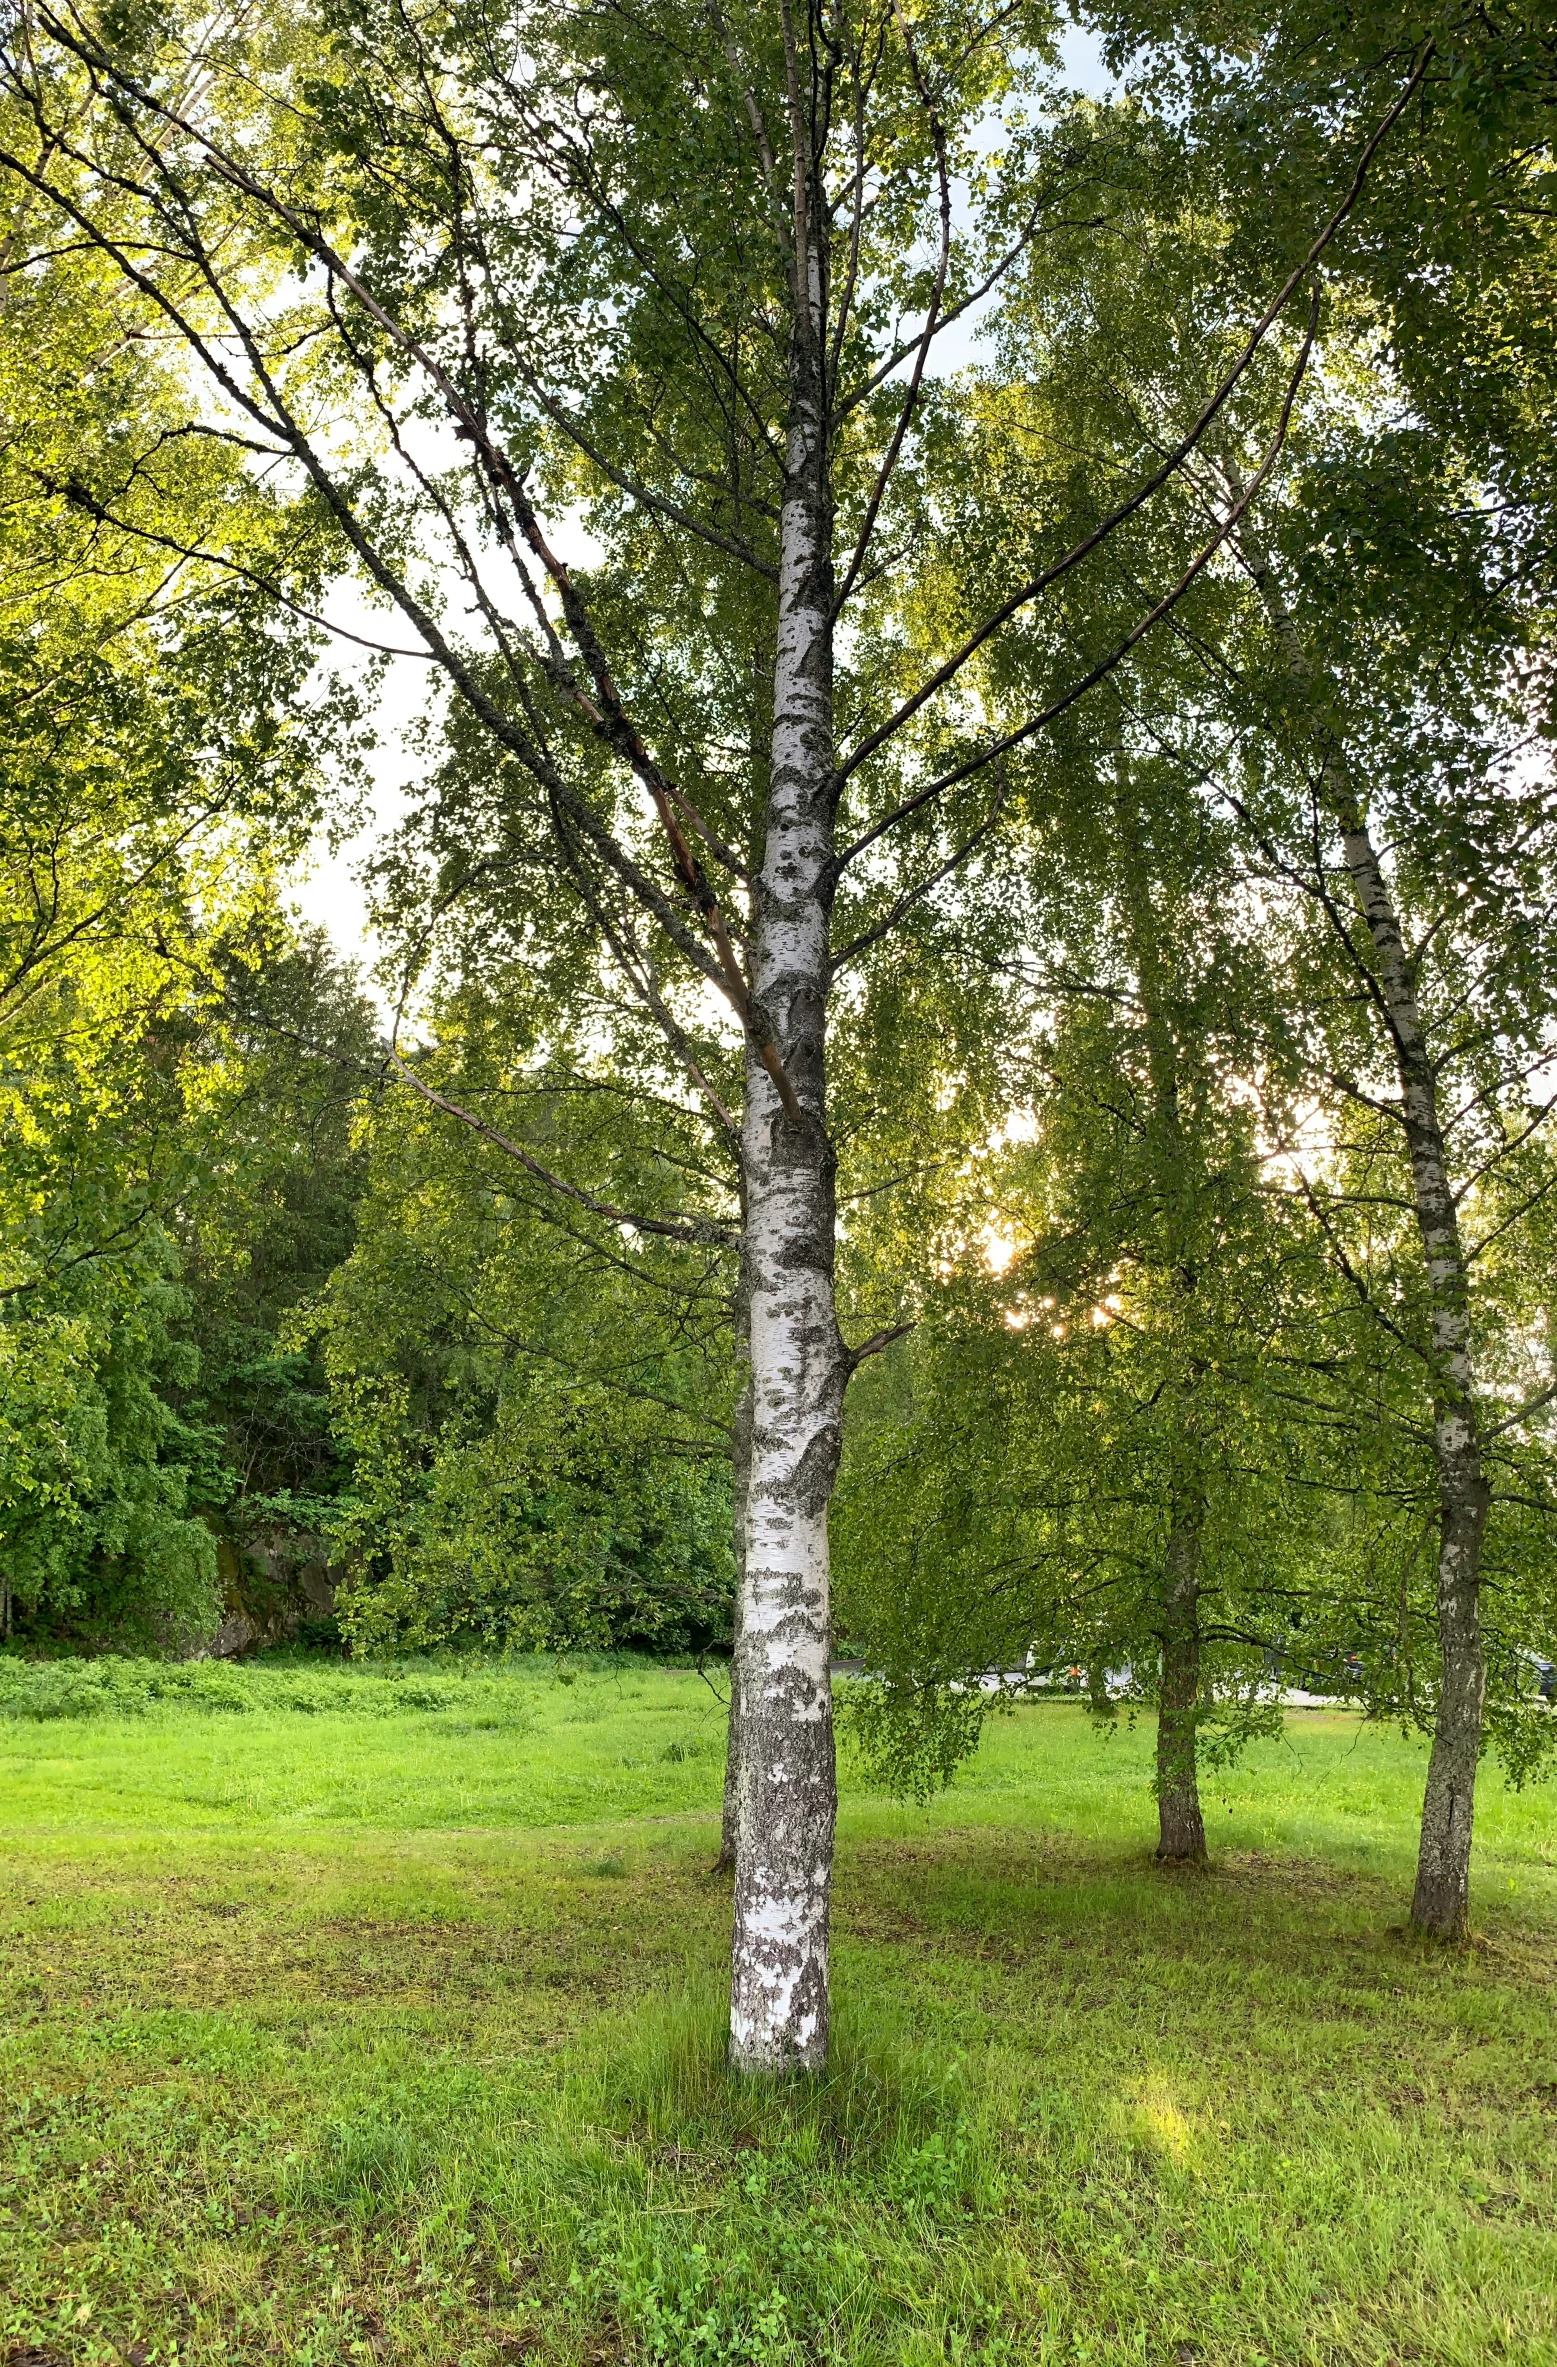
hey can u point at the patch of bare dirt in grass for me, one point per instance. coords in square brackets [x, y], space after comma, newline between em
[1014, 1863]
[1258, 1929]
[1304, 1877]
[171, 1948]
[1010, 1854]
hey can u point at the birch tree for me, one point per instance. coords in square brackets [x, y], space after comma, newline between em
[1373, 706]
[1092, 1452]
[1380, 716]
[474, 276]
[1365, 691]
[1440, 958]
[1400, 578]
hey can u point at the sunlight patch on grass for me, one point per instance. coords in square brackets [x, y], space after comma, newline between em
[1167, 2128]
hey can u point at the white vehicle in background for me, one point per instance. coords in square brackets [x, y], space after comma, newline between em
[1545, 1675]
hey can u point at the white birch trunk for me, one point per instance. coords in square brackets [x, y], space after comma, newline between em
[787, 1787]
[1441, 1904]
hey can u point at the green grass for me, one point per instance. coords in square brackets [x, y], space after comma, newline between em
[386, 2026]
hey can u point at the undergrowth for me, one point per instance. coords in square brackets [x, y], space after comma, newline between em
[120, 1687]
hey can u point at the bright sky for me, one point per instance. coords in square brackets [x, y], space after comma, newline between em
[328, 888]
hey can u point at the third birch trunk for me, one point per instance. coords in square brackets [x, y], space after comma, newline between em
[1441, 1904]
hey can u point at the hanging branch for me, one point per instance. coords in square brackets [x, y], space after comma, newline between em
[695, 1232]
[910, 402]
[1122, 648]
[607, 714]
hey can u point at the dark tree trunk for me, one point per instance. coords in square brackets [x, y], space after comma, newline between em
[1181, 1832]
[740, 1474]
[1440, 1907]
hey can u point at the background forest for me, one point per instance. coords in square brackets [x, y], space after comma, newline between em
[1143, 496]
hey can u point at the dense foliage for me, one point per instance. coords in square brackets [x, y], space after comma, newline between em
[1012, 881]
[155, 770]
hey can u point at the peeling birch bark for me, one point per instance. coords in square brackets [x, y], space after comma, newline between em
[788, 1785]
[1441, 1904]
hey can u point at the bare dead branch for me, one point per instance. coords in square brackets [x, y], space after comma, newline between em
[695, 1232]
[878, 1341]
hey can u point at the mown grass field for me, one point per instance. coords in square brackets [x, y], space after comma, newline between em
[385, 2026]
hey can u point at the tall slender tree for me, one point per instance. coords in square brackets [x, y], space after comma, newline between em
[1437, 940]
[1086, 1455]
[1405, 589]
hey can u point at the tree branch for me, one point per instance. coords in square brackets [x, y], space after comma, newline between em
[1175, 460]
[1137, 633]
[695, 1232]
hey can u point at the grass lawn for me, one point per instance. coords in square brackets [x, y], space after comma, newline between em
[392, 2032]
